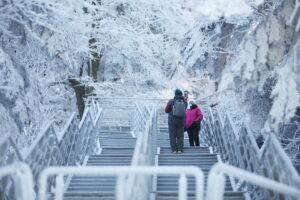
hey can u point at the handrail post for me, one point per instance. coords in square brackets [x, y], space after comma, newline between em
[59, 187]
[182, 186]
[215, 186]
[120, 188]
[23, 180]
[199, 187]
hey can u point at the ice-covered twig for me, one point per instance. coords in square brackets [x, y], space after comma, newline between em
[294, 15]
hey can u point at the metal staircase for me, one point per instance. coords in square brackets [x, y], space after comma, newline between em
[202, 157]
[124, 154]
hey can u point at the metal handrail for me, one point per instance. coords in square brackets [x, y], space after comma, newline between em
[146, 119]
[23, 180]
[240, 150]
[52, 148]
[216, 182]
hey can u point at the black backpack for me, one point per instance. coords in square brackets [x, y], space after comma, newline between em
[178, 108]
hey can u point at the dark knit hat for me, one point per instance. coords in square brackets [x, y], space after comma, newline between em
[178, 92]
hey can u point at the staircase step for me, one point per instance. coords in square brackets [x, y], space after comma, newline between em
[188, 149]
[113, 141]
[115, 137]
[110, 160]
[88, 189]
[115, 128]
[191, 187]
[92, 179]
[116, 145]
[82, 197]
[193, 198]
[115, 158]
[171, 195]
[166, 143]
[117, 140]
[188, 156]
[114, 132]
[92, 184]
[111, 164]
[117, 151]
[110, 156]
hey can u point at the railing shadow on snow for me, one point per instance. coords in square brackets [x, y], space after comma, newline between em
[50, 148]
[240, 149]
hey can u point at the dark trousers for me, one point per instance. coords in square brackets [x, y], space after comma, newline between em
[176, 137]
[193, 133]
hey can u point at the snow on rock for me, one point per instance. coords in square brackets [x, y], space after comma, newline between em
[285, 104]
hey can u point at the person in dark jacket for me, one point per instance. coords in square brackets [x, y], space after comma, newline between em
[175, 124]
[192, 123]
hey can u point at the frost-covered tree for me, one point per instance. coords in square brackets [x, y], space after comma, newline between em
[42, 43]
[138, 41]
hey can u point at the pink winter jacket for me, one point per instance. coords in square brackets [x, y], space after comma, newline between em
[192, 115]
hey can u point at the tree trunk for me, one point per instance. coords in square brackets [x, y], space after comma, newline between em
[80, 93]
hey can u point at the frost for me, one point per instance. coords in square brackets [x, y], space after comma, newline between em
[215, 9]
[286, 99]
[242, 66]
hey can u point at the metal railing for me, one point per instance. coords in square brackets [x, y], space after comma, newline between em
[239, 149]
[144, 153]
[141, 115]
[122, 174]
[50, 148]
[216, 182]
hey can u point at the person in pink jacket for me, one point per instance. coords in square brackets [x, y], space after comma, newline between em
[193, 120]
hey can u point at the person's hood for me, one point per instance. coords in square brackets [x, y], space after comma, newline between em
[178, 92]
